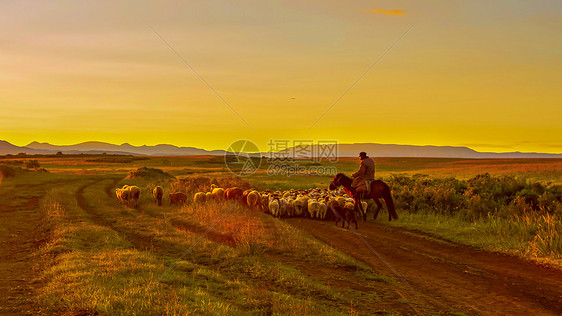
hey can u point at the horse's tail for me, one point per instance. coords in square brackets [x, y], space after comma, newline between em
[388, 201]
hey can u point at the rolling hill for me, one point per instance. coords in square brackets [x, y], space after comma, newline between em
[343, 150]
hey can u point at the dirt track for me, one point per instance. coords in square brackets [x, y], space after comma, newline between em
[445, 275]
[20, 237]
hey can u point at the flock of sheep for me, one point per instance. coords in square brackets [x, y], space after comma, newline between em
[129, 195]
[321, 204]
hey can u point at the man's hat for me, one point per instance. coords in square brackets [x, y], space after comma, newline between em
[362, 154]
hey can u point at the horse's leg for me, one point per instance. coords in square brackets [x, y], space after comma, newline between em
[379, 206]
[359, 207]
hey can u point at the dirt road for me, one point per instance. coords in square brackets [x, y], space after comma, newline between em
[21, 234]
[445, 275]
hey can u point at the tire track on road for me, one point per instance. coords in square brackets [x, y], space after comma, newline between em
[450, 274]
[138, 241]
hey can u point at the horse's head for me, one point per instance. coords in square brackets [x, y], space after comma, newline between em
[336, 182]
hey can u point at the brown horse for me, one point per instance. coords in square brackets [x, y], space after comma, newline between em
[378, 189]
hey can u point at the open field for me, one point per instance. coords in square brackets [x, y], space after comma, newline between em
[69, 247]
[539, 169]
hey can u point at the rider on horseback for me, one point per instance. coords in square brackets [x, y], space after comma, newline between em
[365, 173]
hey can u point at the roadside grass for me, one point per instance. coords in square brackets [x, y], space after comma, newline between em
[28, 185]
[535, 237]
[106, 258]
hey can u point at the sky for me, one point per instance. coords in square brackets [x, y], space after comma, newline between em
[481, 74]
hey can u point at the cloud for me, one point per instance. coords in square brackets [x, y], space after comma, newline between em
[387, 12]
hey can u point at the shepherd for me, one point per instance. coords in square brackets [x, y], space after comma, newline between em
[363, 177]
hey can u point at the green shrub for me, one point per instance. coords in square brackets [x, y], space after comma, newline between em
[7, 171]
[145, 172]
[32, 164]
[475, 198]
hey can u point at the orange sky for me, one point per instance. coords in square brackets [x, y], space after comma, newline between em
[469, 73]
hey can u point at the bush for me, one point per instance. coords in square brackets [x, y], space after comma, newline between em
[7, 171]
[145, 172]
[477, 197]
[18, 163]
[32, 164]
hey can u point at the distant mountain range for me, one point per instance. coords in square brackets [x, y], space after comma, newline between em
[343, 150]
[101, 147]
[389, 150]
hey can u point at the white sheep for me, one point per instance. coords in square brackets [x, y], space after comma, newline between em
[253, 199]
[341, 201]
[301, 205]
[217, 192]
[199, 197]
[350, 206]
[274, 206]
[322, 210]
[282, 207]
[313, 208]
[122, 195]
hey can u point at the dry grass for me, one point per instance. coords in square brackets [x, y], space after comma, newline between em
[111, 268]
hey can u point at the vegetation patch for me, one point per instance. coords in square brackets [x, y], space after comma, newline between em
[499, 213]
[116, 159]
[146, 172]
[9, 171]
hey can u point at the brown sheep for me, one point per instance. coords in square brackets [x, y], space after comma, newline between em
[264, 201]
[233, 193]
[245, 196]
[349, 215]
[158, 193]
[178, 198]
[134, 195]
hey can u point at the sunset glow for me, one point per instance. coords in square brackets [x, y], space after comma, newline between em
[480, 74]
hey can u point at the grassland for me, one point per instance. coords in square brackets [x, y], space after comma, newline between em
[101, 257]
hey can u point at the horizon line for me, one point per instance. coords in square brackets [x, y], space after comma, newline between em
[270, 151]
